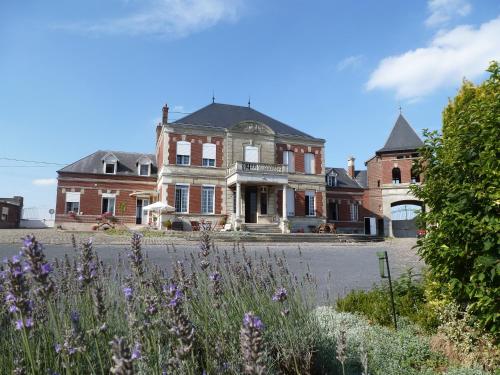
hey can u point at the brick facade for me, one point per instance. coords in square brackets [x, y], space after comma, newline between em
[196, 148]
[10, 212]
[299, 152]
[91, 187]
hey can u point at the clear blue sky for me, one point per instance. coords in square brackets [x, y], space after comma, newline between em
[77, 76]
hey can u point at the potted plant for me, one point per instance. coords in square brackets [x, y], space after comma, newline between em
[167, 224]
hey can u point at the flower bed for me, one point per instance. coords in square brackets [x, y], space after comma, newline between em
[215, 313]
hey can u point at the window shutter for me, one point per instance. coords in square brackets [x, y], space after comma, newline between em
[312, 163]
[208, 151]
[290, 202]
[183, 148]
[309, 163]
[252, 154]
[289, 159]
[73, 197]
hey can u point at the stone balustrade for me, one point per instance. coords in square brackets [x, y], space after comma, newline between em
[258, 168]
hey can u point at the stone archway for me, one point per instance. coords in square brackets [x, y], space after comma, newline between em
[403, 217]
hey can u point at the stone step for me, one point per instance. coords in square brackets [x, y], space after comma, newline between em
[296, 237]
[261, 228]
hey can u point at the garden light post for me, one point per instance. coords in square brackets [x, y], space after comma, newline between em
[382, 257]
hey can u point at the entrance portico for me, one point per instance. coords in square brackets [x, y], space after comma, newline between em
[256, 186]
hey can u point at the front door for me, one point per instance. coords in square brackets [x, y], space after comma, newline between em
[140, 215]
[250, 205]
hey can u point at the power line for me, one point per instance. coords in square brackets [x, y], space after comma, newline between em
[26, 166]
[31, 161]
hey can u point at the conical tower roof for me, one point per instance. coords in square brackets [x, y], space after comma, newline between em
[402, 138]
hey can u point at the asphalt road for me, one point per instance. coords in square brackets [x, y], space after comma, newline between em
[337, 268]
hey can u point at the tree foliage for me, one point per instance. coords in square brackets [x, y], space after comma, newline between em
[461, 193]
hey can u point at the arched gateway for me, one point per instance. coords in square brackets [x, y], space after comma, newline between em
[403, 218]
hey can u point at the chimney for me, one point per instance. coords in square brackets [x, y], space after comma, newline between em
[165, 115]
[158, 131]
[350, 166]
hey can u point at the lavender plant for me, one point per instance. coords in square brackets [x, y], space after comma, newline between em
[165, 320]
[252, 345]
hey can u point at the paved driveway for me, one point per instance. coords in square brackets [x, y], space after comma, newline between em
[337, 268]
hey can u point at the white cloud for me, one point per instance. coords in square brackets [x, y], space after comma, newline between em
[442, 11]
[178, 108]
[350, 62]
[45, 181]
[464, 51]
[168, 18]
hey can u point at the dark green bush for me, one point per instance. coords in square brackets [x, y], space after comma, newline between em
[409, 298]
[462, 193]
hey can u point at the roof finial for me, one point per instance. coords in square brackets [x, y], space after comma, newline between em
[248, 101]
[400, 109]
[213, 96]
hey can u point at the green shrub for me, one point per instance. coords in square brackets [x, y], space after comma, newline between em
[409, 298]
[461, 168]
[389, 352]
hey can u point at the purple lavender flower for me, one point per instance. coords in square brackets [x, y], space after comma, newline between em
[216, 276]
[252, 321]
[19, 324]
[57, 348]
[128, 292]
[27, 241]
[177, 298]
[136, 351]
[36, 265]
[75, 317]
[280, 295]
[46, 268]
[17, 293]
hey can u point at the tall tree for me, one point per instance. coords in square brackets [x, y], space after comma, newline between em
[461, 167]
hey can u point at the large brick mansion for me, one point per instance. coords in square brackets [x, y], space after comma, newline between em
[233, 164]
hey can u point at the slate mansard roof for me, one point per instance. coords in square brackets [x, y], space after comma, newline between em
[227, 115]
[402, 138]
[127, 163]
[359, 181]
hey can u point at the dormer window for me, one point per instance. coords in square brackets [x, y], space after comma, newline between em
[110, 168]
[331, 180]
[144, 166]
[110, 163]
[144, 169]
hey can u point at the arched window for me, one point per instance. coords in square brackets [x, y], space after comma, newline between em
[396, 176]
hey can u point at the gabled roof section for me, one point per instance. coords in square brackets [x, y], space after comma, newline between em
[402, 138]
[227, 115]
[127, 163]
[344, 180]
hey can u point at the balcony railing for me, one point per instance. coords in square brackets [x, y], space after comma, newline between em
[257, 168]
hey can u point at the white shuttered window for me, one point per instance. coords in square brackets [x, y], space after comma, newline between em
[183, 152]
[309, 164]
[72, 202]
[289, 159]
[209, 151]
[252, 154]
